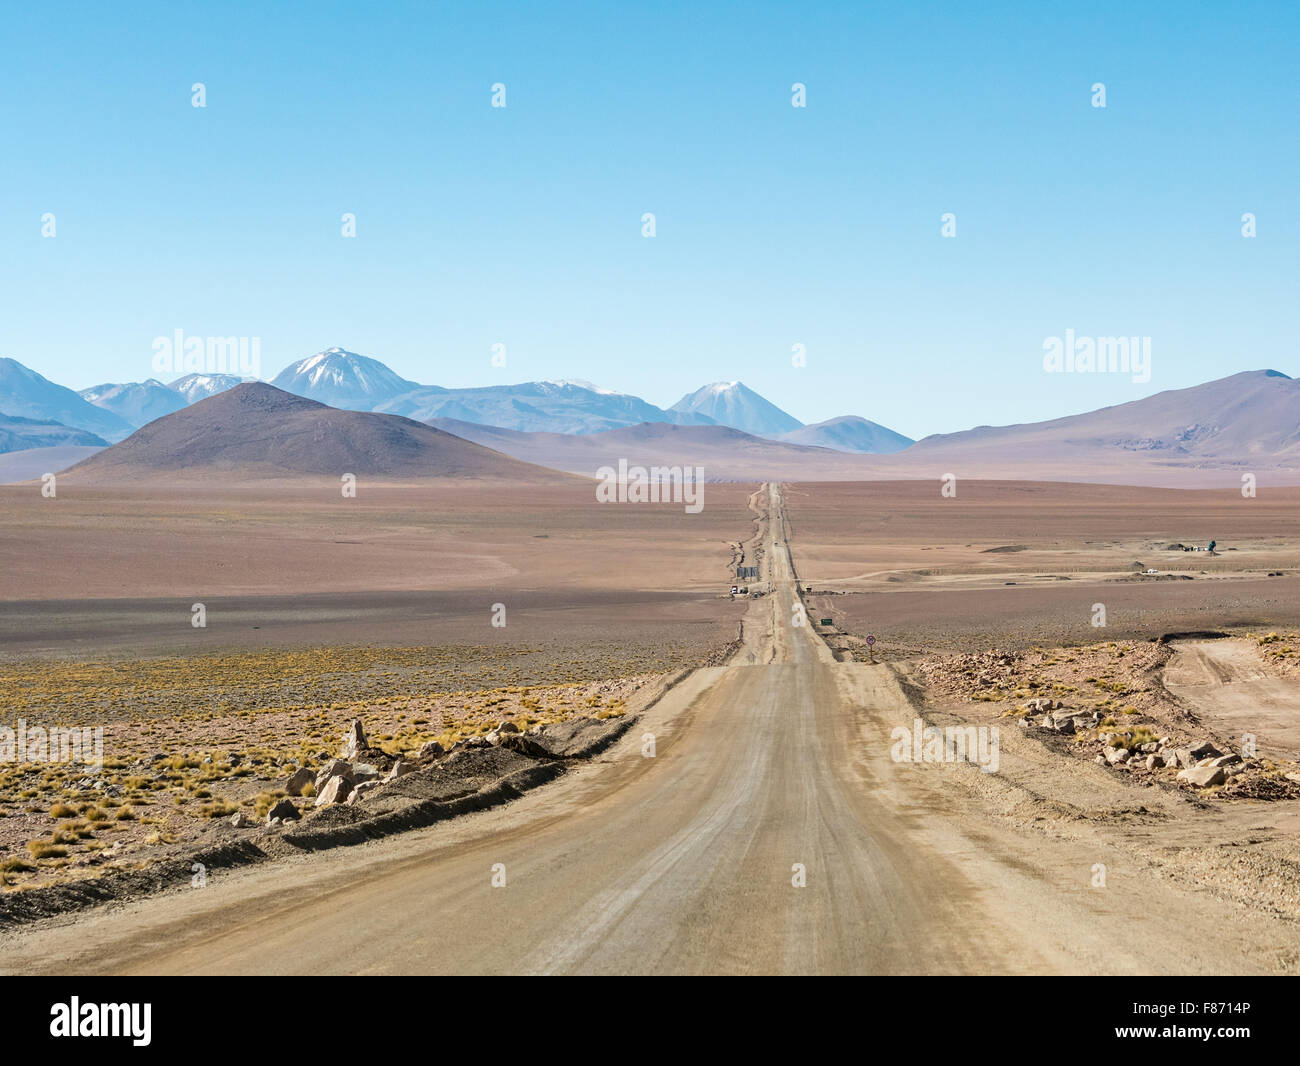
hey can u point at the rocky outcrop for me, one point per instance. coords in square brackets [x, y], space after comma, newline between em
[354, 741]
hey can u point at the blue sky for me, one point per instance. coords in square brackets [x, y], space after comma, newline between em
[775, 225]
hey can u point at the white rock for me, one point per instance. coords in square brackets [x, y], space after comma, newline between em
[336, 790]
[1203, 776]
[354, 741]
[400, 769]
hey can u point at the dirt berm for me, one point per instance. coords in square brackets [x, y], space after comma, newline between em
[471, 779]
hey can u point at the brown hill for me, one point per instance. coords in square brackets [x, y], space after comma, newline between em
[258, 431]
[725, 454]
[1251, 415]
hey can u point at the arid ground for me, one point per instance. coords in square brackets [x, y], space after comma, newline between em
[776, 747]
[1014, 565]
[319, 610]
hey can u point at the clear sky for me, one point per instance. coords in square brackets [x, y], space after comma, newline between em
[775, 225]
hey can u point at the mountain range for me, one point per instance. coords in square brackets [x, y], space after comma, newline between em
[136, 402]
[349, 381]
[26, 394]
[1251, 415]
[1206, 434]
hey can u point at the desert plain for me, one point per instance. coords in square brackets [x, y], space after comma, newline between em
[322, 610]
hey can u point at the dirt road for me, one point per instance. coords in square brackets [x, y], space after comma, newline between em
[1226, 684]
[769, 832]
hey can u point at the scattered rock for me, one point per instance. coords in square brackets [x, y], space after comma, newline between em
[334, 768]
[431, 750]
[300, 779]
[336, 790]
[284, 811]
[1204, 750]
[400, 769]
[358, 793]
[242, 821]
[1203, 776]
[364, 771]
[1117, 756]
[524, 745]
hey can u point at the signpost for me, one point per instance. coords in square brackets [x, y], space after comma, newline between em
[871, 646]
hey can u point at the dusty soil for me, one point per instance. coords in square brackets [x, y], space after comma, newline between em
[682, 862]
[320, 610]
[1248, 685]
[190, 544]
[1126, 687]
[797, 751]
[1015, 565]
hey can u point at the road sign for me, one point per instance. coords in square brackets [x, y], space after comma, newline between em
[870, 640]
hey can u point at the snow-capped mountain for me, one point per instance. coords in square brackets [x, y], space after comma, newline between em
[731, 403]
[25, 393]
[849, 433]
[196, 387]
[139, 402]
[343, 379]
[535, 407]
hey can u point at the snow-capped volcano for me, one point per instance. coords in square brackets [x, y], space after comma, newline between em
[343, 379]
[732, 403]
[196, 387]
